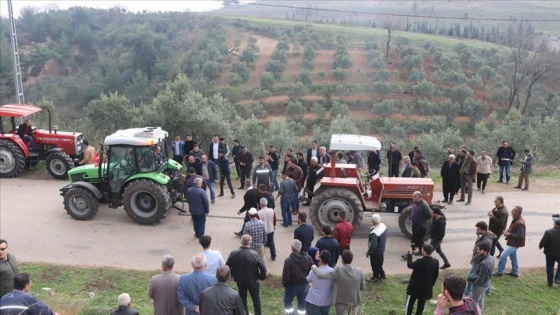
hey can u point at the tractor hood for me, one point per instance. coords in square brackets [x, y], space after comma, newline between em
[346, 142]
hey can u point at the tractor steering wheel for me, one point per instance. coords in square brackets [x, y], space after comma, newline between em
[370, 174]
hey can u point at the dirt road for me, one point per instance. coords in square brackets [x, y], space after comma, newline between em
[33, 220]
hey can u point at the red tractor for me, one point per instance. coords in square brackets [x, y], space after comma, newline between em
[342, 189]
[60, 150]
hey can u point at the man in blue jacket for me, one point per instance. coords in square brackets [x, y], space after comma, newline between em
[198, 207]
[19, 301]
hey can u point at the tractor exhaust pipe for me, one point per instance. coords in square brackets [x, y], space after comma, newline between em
[50, 122]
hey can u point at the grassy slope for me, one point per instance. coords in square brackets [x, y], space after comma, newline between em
[358, 34]
[73, 287]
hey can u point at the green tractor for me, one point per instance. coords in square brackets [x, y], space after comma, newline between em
[130, 175]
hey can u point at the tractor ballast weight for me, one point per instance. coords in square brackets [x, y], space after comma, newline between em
[61, 150]
[128, 176]
[344, 189]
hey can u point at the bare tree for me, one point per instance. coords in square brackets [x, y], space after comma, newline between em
[391, 25]
[530, 65]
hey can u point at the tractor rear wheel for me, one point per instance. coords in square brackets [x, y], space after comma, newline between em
[405, 223]
[328, 203]
[80, 203]
[58, 164]
[146, 201]
[12, 161]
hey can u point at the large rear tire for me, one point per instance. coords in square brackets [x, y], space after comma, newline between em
[146, 202]
[405, 224]
[329, 202]
[12, 160]
[58, 164]
[80, 203]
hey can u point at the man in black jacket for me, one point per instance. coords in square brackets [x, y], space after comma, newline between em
[245, 165]
[424, 275]
[235, 152]
[505, 155]
[438, 233]
[314, 174]
[251, 199]
[450, 178]
[304, 232]
[221, 299]
[247, 269]
[294, 278]
[551, 244]
[394, 158]
[214, 150]
[327, 242]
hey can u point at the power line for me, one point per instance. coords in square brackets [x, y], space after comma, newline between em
[398, 15]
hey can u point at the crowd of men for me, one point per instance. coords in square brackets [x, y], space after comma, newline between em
[311, 274]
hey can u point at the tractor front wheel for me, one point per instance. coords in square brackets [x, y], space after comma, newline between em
[80, 203]
[328, 203]
[12, 161]
[146, 202]
[58, 165]
[405, 223]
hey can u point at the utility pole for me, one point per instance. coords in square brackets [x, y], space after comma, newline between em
[15, 50]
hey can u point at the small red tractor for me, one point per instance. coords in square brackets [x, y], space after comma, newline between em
[60, 150]
[342, 189]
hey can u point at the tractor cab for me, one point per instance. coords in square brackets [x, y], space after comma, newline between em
[344, 188]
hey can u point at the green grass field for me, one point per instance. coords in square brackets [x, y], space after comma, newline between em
[95, 290]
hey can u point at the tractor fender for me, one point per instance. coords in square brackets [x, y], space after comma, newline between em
[98, 194]
[18, 141]
[50, 151]
[159, 178]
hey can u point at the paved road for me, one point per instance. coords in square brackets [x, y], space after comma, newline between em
[33, 220]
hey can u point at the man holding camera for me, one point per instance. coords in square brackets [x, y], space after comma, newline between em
[551, 244]
[424, 275]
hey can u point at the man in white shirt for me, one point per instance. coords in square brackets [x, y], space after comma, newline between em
[214, 258]
[268, 216]
[484, 164]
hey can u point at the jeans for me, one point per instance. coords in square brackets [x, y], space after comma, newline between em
[318, 310]
[291, 291]
[478, 295]
[511, 252]
[199, 223]
[253, 289]
[507, 167]
[270, 244]
[295, 202]
[212, 188]
[286, 213]
[550, 260]
[437, 248]
[29, 140]
[227, 178]
[275, 179]
[468, 288]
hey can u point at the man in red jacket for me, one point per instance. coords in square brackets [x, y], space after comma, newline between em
[343, 232]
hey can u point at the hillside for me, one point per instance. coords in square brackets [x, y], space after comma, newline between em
[315, 78]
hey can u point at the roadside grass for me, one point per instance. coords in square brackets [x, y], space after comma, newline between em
[79, 290]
